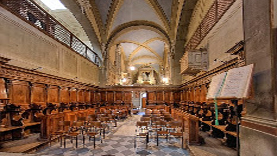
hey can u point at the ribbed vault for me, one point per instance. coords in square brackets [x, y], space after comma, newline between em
[138, 32]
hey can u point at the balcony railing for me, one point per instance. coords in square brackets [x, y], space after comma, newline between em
[214, 14]
[38, 17]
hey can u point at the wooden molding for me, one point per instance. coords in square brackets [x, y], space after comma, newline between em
[259, 127]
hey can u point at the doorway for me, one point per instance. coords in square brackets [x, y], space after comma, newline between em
[142, 100]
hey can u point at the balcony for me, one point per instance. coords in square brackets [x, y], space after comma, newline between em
[33, 14]
[194, 61]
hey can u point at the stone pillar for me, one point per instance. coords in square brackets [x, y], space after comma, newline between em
[118, 62]
[175, 54]
[259, 126]
[103, 69]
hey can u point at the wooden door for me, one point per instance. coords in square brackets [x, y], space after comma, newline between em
[144, 102]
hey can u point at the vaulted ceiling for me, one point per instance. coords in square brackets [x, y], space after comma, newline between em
[143, 28]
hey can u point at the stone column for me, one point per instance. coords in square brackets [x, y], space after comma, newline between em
[103, 69]
[259, 126]
[175, 54]
[118, 62]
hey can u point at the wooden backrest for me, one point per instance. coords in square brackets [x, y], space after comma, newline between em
[3, 91]
[145, 119]
[141, 124]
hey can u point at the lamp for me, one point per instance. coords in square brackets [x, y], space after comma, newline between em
[165, 80]
[132, 68]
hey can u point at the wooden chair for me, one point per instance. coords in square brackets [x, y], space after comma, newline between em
[147, 119]
[142, 131]
[161, 130]
[92, 117]
[95, 130]
[176, 130]
[112, 118]
[105, 122]
[75, 130]
[63, 129]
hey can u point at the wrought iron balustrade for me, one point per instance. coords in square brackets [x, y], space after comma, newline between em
[29, 11]
[214, 14]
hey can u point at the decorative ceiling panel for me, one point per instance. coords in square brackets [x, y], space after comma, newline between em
[143, 51]
[132, 10]
[140, 35]
[128, 48]
[145, 61]
[155, 66]
[103, 7]
[166, 6]
[158, 47]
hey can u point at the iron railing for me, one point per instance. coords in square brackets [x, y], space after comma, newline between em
[216, 11]
[33, 14]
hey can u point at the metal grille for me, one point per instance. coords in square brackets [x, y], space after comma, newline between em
[90, 55]
[223, 6]
[217, 10]
[36, 16]
[78, 46]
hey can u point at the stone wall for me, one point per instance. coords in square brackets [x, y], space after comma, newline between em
[29, 48]
[224, 35]
[259, 126]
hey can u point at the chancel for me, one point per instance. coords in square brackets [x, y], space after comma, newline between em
[138, 77]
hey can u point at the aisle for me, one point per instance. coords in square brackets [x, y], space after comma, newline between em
[119, 142]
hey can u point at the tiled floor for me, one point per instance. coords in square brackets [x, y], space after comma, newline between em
[119, 142]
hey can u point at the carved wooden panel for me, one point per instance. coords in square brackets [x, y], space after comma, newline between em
[186, 97]
[81, 96]
[97, 97]
[171, 97]
[203, 93]
[151, 97]
[197, 96]
[38, 94]
[103, 96]
[177, 96]
[191, 94]
[87, 96]
[118, 96]
[53, 94]
[20, 92]
[183, 95]
[65, 95]
[127, 97]
[3, 91]
[73, 95]
[159, 97]
[92, 96]
[110, 97]
[167, 97]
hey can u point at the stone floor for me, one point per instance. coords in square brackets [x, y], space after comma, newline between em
[119, 142]
[212, 147]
